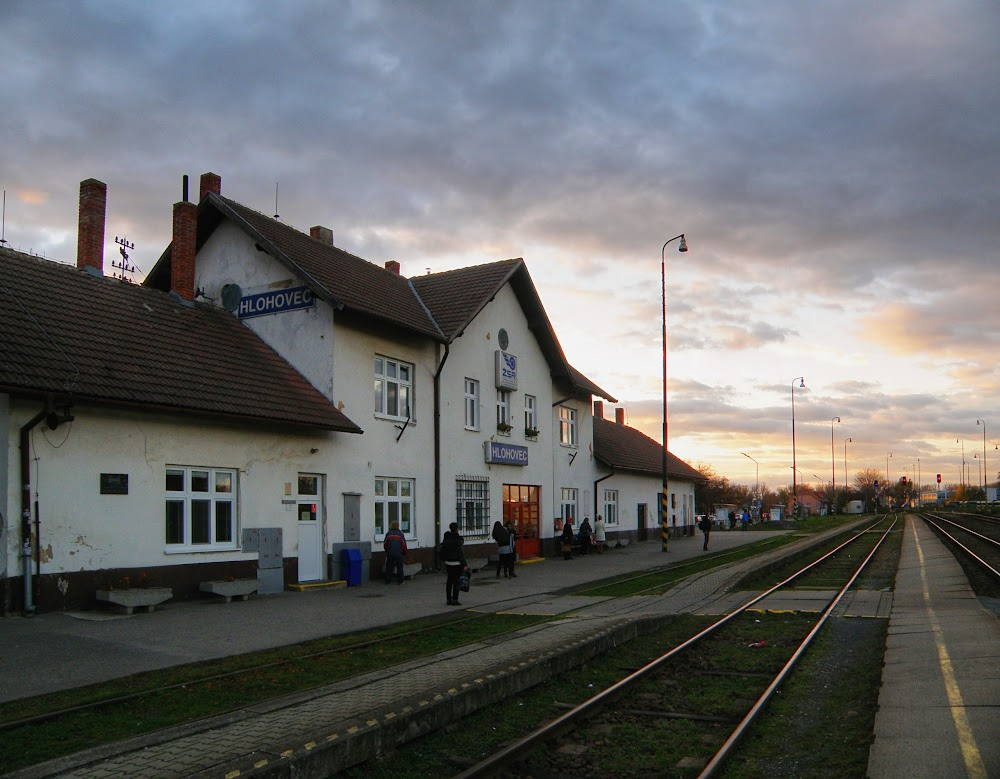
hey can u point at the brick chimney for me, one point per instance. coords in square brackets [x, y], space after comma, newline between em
[598, 409]
[620, 416]
[210, 182]
[322, 234]
[184, 247]
[392, 265]
[90, 236]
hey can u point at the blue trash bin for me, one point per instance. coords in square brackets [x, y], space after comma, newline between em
[350, 566]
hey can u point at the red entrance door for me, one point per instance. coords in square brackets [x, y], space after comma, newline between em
[520, 506]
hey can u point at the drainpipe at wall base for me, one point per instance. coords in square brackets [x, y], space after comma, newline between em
[26, 547]
[437, 453]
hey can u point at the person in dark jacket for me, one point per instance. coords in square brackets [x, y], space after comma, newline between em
[586, 531]
[453, 556]
[511, 556]
[705, 526]
[394, 545]
[566, 540]
[505, 549]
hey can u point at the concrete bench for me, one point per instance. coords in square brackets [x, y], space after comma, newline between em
[622, 543]
[411, 569]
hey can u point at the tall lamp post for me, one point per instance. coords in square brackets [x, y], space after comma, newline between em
[795, 490]
[887, 456]
[983, 421]
[961, 477]
[833, 465]
[979, 465]
[756, 491]
[846, 442]
[665, 497]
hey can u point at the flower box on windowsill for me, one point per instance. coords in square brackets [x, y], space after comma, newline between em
[140, 598]
[503, 429]
[531, 433]
[235, 588]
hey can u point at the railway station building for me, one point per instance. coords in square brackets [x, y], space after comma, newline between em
[265, 402]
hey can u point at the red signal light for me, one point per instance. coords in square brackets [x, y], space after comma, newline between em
[939, 478]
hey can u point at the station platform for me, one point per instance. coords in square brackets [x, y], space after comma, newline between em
[939, 706]
[318, 732]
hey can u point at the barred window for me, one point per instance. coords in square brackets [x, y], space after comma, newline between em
[472, 505]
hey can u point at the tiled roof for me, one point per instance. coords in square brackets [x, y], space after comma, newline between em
[455, 297]
[439, 306]
[626, 449]
[67, 332]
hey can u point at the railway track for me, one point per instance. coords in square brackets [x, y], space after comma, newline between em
[746, 655]
[975, 542]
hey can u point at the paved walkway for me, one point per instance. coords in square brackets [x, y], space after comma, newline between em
[939, 707]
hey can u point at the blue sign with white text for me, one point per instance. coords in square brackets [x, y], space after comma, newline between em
[276, 302]
[505, 454]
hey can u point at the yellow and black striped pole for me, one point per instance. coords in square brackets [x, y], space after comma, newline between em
[665, 519]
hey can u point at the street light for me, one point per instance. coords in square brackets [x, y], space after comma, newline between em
[979, 465]
[887, 456]
[833, 463]
[920, 486]
[846, 442]
[962, 475]
[757, 491]
[795, 491]
[984, 453]
[664, 497]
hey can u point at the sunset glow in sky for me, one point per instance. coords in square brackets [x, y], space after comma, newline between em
[834, 166]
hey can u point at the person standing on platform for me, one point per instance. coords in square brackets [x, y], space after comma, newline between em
[511, 557]
[705, 526]
[566, 540]
[600, 534]
[504, 543]
[586, 536]
[394, 545]
[453, 555]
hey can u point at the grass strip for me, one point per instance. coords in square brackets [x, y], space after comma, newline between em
[307, 666]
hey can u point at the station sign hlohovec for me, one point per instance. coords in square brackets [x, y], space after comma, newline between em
[505, 454]
[276, 302]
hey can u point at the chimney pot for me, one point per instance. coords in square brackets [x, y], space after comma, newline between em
[393, 266]
[90, 235]
[620, 416]
[322, 234]
[599, 409]
[210, 182]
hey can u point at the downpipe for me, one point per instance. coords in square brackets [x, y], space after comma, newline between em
[26, 547]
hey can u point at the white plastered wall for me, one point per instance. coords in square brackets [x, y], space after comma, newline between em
[82, 529]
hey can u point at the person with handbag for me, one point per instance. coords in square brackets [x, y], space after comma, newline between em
[452, 553]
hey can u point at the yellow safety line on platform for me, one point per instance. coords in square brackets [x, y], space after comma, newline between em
[530, 560]
[974, 767]
[316, 585]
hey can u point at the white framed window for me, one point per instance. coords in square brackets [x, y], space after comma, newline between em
[567, 426]
[530, 413]
[472, 505]
[200, 508]
[503, 411]
[393, 503]
[610, 507]
[471, 404]
[568, 507]
[393, 387]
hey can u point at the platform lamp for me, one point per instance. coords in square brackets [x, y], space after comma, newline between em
[961, 476]
[846, 442]
[887, 456]
[983, 422]
[665, 496]
[756, 491]
[795, 490]
[833, 462]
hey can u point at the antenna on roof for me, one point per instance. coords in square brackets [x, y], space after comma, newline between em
[123, 264]
[3, 223]
[275, 199]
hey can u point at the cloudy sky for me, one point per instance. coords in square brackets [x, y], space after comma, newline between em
[835, 167]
